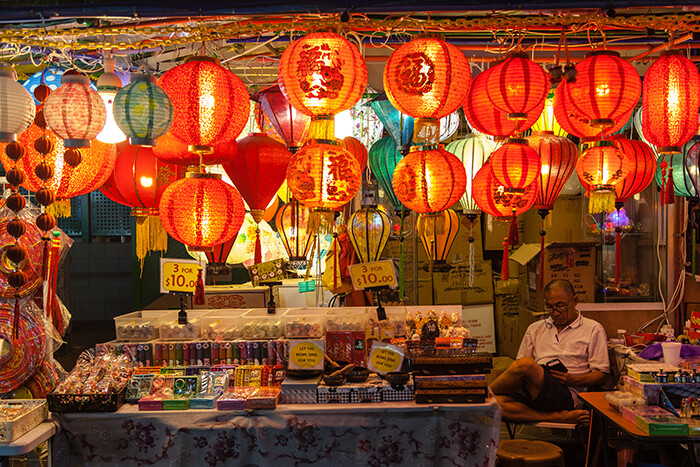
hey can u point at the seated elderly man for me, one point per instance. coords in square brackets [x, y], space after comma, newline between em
[530, 392]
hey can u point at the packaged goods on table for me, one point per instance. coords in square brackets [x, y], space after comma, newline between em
[19, 416]
[301, 323]
[257, 323]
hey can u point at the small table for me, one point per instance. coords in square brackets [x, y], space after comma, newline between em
[28, 441]
[602, 412]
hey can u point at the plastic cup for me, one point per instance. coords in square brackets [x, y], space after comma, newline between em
[672, 352]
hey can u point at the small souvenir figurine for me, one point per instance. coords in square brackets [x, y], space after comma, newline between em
[430, 329]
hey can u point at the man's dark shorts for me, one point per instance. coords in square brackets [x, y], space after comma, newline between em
[553, 397]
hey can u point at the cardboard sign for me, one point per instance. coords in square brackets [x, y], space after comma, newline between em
[374, 274]
[479, 320]
[179, 275]
[385, 358]
[306, 354]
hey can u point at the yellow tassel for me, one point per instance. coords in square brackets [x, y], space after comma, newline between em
[601, 201]
[150, 236]
[59, 208]
[322, 221]
[322, 127]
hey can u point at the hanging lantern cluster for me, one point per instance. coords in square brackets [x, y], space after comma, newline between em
[143, 111]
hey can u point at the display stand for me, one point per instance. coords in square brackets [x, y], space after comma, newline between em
[27, 442]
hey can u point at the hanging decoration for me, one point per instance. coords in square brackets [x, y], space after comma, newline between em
[602, 167]
[291, 124]
[398, 125]
[383, 157]
[143, 111]
[547, 120]
[75, 111]
[429, 180]
[517, 86]
[427, 78]
[25, 346]
[437, 232]
[671, 101]
[293, 224]
[216, 258]
[16, 107]
[108, 85]
[172, 150]
[355, 147]
[515, 164]
[692, 164]
[322, 74]
[369, 229]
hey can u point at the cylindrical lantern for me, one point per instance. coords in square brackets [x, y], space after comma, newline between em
[494, 199]
[143, 111]
[355, 147]
[17, 107]
[547, 120]
[642, 167]
[324, 176]
[369, 229]
[201, 211]
[427, 78]
[75, 112]
[605, 90]
[398, 125]
[322, 74]
[291, 124]
[211, 105]
[558, 156]
[383, 157]
[692, 162]
[293, 226]
[515, 164]
[429, 180]
[602, 167]
[437, 232]
[670, 101]
[517, 86]
[473, 151]
[258, 171]
[172, 150]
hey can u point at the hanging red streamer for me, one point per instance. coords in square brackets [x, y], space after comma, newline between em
[669, 196]
[45, 258]
[199, 289]
[15, 321]
[505, 270]
[514, 235]
[618, 256]
[258, 247]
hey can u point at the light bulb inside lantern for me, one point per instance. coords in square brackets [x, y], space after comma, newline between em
[545, 169]
[110, 134]
[343, 124]
[146, 182]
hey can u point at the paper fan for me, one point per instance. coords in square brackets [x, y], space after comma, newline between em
[31, 241]
[21, 357]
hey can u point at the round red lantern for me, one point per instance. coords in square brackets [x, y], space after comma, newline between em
[606, 88]
[258, 171]
[602, 167]
[558, 156]
[515, 164]
[486, 118]
[642, 162]
[172, 150]
[290, 124]
[429, 180]
[355, 147]
[670, 102]
[495, 199]
[427, 78]
[211, 104]
[74, 111]
[201, 211]
[322, 175]
[517, 86]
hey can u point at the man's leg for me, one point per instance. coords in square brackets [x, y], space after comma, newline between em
[524, 373]
[514, 411]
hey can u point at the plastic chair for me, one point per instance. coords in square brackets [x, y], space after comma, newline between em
[521, 453]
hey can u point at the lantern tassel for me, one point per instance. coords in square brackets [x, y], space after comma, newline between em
[514, 235]
[199, 289]
[59, 208]
[322, 221]
[258, 247]
[618, 255]
[322, 127]
[602, 201]
[505, 270]
[670, 199]
[46, 257]
[15, 320]
[150, 236]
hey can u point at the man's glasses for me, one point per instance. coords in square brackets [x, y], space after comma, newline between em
[561, 306]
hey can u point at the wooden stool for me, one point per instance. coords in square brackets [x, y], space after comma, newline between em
[523, 452]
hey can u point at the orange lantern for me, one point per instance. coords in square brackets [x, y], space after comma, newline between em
[515, 164]
[211, 104]
[429, 180]
[517, 86]
[602, 167]
[670, 102]
[201, 211]
[606, 88]
[172, 150]
[355, 147]
[322, 74]
[427, 78]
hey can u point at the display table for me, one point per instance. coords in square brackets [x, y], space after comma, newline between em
[28, 441]
[400, 433]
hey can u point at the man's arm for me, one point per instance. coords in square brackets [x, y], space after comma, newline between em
[592, 378]
[598, 362]
[527, 348]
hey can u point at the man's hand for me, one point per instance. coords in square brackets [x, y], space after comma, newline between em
[593, 378]
[567, 379]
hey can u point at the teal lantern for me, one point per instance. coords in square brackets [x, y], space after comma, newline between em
[398, 125]
[143, 111]
[382, 159]
[682, 182]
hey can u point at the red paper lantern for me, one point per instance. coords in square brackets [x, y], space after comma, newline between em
[670, 102]
[211, 104]
[427, 78]
[558, 156]
[290, 124]
[201, 211]
[602, 167]
[642, 162]
[487, 118]
[322, 175]
[606, 88]
[172, 150]
[517, 86]
[495, 199]
[355, 147]
[258, 171]
[429, 180]
[515, 164]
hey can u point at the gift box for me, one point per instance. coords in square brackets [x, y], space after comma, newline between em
[299, 391]
[204, 400]
[151, 402]
[368, 391]
[20, 417]
[263, 398]
[234, 399]
[332, 394]
[400, 393]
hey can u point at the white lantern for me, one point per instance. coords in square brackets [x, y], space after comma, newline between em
[473, 150]
[17, 107]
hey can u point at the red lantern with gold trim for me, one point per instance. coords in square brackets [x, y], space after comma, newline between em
[670, 102]
[172, 150]
[515, 164]
[355, 147]
[517, 86]
[602, 167]
[429, 179]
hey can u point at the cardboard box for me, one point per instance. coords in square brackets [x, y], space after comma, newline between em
[573, 261]
[453, 287]
[508, 335]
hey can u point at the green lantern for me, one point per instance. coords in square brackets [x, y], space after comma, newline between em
[382, 159]
[143, 111]
[682, 183]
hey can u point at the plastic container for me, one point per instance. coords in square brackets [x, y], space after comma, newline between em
[393, 326]
[304, 323]
[257, 323]
[222, 324]
[170, 329]
[346, 319]
[135, 327]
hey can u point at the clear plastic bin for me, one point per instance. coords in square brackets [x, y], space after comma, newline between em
[256, 323]
[393, 326]
[346, 319]
[136, 327]
[222, 324]
[170, 329]
[305, 322]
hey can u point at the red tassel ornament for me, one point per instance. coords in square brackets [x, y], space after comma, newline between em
[505, 270]
[199, 289]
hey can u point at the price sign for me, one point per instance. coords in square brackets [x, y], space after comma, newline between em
[179, 275]
[306, 354]
[374, 274]
[385, 358]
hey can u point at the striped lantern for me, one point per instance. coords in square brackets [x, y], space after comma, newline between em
[602, 167]
[383, 157]
[437, 233]
[369, 229]
[17, 107]
[515, 164]
[143, 111]
[473, 151]
[517, 86]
